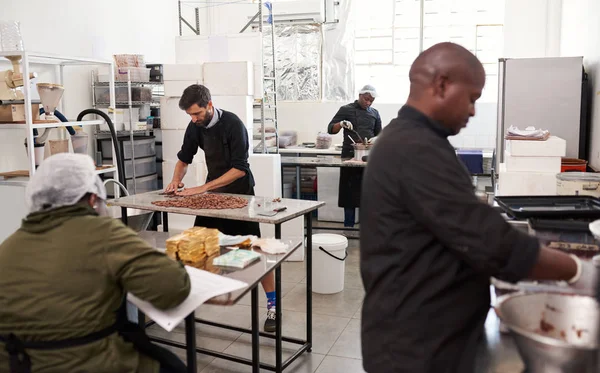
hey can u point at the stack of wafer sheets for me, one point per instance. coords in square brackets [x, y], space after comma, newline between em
[194, 246]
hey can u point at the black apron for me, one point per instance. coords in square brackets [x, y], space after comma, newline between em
[217, 152]
[20, 361]
[351, 177]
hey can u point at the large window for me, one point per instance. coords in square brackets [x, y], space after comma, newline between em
[391, 33]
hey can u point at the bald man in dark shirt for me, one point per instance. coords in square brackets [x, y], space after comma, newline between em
[428, 245]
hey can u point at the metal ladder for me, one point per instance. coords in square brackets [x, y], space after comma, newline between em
[268, 102]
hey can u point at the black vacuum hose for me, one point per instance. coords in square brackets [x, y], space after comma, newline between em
[113, 134]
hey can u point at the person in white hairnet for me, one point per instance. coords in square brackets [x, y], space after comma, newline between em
[355, 118]
[66, 272]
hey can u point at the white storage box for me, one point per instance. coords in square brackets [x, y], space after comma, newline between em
[171, 144]
[553, 147]
[171, 116]
[239, 105]
[222, 48]
[183, 72]
[531, 164]
[526, 183]
[175, 88]
[195, 176]
[229, 78]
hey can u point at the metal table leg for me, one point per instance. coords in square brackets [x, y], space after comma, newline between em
[190, 342]
[308, 219]
[124, 215]
[165, 221]
[298, 187]
[255, 332]
[278, 306]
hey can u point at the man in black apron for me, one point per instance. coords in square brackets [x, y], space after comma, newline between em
[224, 139]
[358, 116]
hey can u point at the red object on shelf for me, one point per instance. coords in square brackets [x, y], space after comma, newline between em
[573, 165]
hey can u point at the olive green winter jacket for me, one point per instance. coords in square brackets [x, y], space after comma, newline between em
[63, 275]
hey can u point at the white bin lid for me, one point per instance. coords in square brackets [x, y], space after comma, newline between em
[328, 239]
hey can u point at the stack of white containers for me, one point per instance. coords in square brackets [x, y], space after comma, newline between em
[530, 167]
[231, 86]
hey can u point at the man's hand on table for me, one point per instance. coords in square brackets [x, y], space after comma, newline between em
[173, 186]
[193, 191]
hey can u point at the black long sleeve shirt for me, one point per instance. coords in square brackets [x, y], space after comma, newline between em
[428, 248]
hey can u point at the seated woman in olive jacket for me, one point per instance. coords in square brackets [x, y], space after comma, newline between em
[65, 272]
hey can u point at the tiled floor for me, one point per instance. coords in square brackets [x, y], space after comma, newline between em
[336, 329]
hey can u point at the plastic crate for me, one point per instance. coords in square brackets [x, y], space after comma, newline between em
[145, 147]
[138, 94]
[143, 184]
[143, 167]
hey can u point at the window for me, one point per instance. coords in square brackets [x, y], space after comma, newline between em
[389, 36]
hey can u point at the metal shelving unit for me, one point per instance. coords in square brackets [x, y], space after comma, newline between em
[157, 92]
[60, 62]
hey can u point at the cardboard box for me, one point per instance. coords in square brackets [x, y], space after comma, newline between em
[525, 183]
[553, 147]
[16, 112]
[192, 71]
[229, 78]
[532, 164]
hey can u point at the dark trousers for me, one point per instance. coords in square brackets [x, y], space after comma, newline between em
[349, 216]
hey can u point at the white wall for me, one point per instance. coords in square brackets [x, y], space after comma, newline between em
[532, 28]
[580, 36]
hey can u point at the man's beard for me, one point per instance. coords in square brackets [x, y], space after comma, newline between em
[206, 120]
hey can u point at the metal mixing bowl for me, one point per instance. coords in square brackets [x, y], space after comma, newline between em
[571, 344]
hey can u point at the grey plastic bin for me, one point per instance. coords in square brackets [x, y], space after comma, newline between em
[143, 167]
[143, 148]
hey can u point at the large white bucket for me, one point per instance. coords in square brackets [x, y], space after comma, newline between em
[328, 263]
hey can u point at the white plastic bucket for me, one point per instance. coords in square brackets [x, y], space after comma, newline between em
[328, 263]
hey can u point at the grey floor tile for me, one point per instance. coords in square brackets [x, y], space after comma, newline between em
[262, 298]
[202, 361]
[237, 315]
[343, 304]
[202, 340]
[293, 272]
[358, 313]
[307, 363]
[348, 344]
[352, 278]
[334, 364]
[326, 330]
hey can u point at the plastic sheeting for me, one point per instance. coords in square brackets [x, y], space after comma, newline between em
[338, 55]
[298, 59]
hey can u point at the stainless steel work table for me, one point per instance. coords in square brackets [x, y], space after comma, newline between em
[295, 208]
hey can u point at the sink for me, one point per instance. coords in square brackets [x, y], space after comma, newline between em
[138, 220]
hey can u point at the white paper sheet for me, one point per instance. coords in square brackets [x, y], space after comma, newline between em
[205, 285]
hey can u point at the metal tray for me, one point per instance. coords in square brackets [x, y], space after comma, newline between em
[563, 207]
